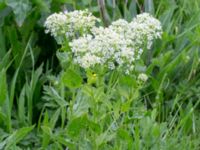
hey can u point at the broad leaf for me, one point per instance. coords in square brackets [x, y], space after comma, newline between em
[20, 8]
[149, 6]
[71, 79]
[76, 125]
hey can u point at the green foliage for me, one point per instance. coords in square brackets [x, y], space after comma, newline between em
[20, 9]
[16, 137]
[71, 79]
[43, 106]
[3, 87]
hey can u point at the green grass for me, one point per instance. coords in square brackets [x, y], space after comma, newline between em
[42, 106]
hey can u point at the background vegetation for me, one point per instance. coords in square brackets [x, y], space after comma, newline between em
[33, 109]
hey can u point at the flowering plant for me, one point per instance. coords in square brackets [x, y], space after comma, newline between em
[116, 46]
[105, 59]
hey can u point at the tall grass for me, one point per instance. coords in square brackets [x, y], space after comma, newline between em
[37, 111]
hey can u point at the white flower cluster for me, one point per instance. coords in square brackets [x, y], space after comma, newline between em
[142, 77]
[118, 45]
[56, 24]
[81, 21]
[144, 29]
[68, 24]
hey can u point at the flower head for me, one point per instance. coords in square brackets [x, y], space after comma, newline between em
[56, 24]
[144, 29]
[119, 45]
[142, 77]
[70, 24]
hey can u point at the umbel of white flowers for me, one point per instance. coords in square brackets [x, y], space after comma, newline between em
[67, 24]
[118, 45]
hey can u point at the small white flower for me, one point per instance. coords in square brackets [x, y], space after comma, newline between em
[142, 77]
[127, 72]
[111, 65]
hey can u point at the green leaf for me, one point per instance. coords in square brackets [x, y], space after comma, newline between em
[71, 79]
[125, 136]
[128, 81]
[76, 125]
[47, 133]
[2, 119]
[126, 106]
[105, 137]
[116, 13]
[20, 8]
[81, 105]
[149, 6]
[3, 87]
[46, 130]
[5, 62]
[43, 5]
[66, 1]
[2, 43]
[16, 46]
[21, 106]
[95, 127]
[86, 2]
[17, 136]
[52, 95]
[133, 8]
[2, 5]
[54, 118]
[64, 59]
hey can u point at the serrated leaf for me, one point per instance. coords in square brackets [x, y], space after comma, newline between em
[17, 136]
[47, 130]
[81, 105]
[54, 118]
